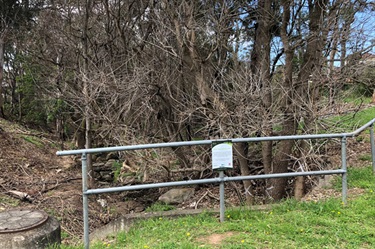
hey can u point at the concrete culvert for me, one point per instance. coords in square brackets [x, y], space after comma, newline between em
[28, 229]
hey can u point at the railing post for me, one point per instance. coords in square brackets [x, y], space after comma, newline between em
[222, 201]
[344, 167]
[86, 238]
[372, 147]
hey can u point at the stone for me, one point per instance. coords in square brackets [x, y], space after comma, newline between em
[325, 182]
[109, 164]
[106, 175]
[97, 167]
[177, 195]
[112, 155]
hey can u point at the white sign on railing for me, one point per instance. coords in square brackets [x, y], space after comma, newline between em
[222, 156]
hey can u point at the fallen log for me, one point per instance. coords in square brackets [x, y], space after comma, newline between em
[20, 195]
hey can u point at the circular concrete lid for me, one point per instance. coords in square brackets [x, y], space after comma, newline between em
[20, 220]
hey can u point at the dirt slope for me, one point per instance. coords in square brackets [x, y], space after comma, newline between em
[32, 176]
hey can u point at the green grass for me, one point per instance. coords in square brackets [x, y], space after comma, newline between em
[8, 201]
[365, 157]
[290, 224]
[352, 121]
[357, 100]
[158, 206]
[33, 140]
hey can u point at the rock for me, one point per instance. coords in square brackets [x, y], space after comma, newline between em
[97, 167]
[106, 175]
[112, 155]
[102, 203]
[133, 206]
[129, 206]
[177, 196]
[109, 164]
[325, 182]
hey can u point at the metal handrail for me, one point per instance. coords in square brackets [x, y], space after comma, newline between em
[221, 179]
[208, 142]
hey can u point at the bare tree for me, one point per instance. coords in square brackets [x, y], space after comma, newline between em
[174, 71]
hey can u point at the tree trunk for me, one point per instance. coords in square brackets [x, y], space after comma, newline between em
[331, 64]
[2, 45]
[310, 76]
[86, 93]
[277, 187]
[241, 151]
[299, 188]
[260, 68]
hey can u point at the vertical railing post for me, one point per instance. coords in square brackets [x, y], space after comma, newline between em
[372, 147]
[222, 201]
[86, 238]
[344, 168]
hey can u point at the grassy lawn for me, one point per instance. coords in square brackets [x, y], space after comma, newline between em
[290, 224]
[350, 122]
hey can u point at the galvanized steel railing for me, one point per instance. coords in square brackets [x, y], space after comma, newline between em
[221, 179]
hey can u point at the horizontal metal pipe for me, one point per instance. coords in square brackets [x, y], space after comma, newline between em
[362, 128]
[199, 142]
[133, 147]
[207, 142]
[151, 185]
[284, 175]
[210, 180]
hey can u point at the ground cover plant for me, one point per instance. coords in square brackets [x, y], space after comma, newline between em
[350, 121]
[290, 224]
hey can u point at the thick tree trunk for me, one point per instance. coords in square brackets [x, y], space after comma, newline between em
[260, 67]
[277, 187]
[310, 75]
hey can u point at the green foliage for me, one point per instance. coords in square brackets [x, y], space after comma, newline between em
[116, 168]
[56, 109]
[34, 107]
[31, 105]
[33, 140]
[54, 246]
[365, 157]
[8, 201]
[156, 207]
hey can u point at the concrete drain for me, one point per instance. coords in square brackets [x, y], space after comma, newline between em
[31, 229]
[21, 220]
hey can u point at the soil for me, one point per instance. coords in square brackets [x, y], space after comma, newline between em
[216, 239]
[34, 177]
